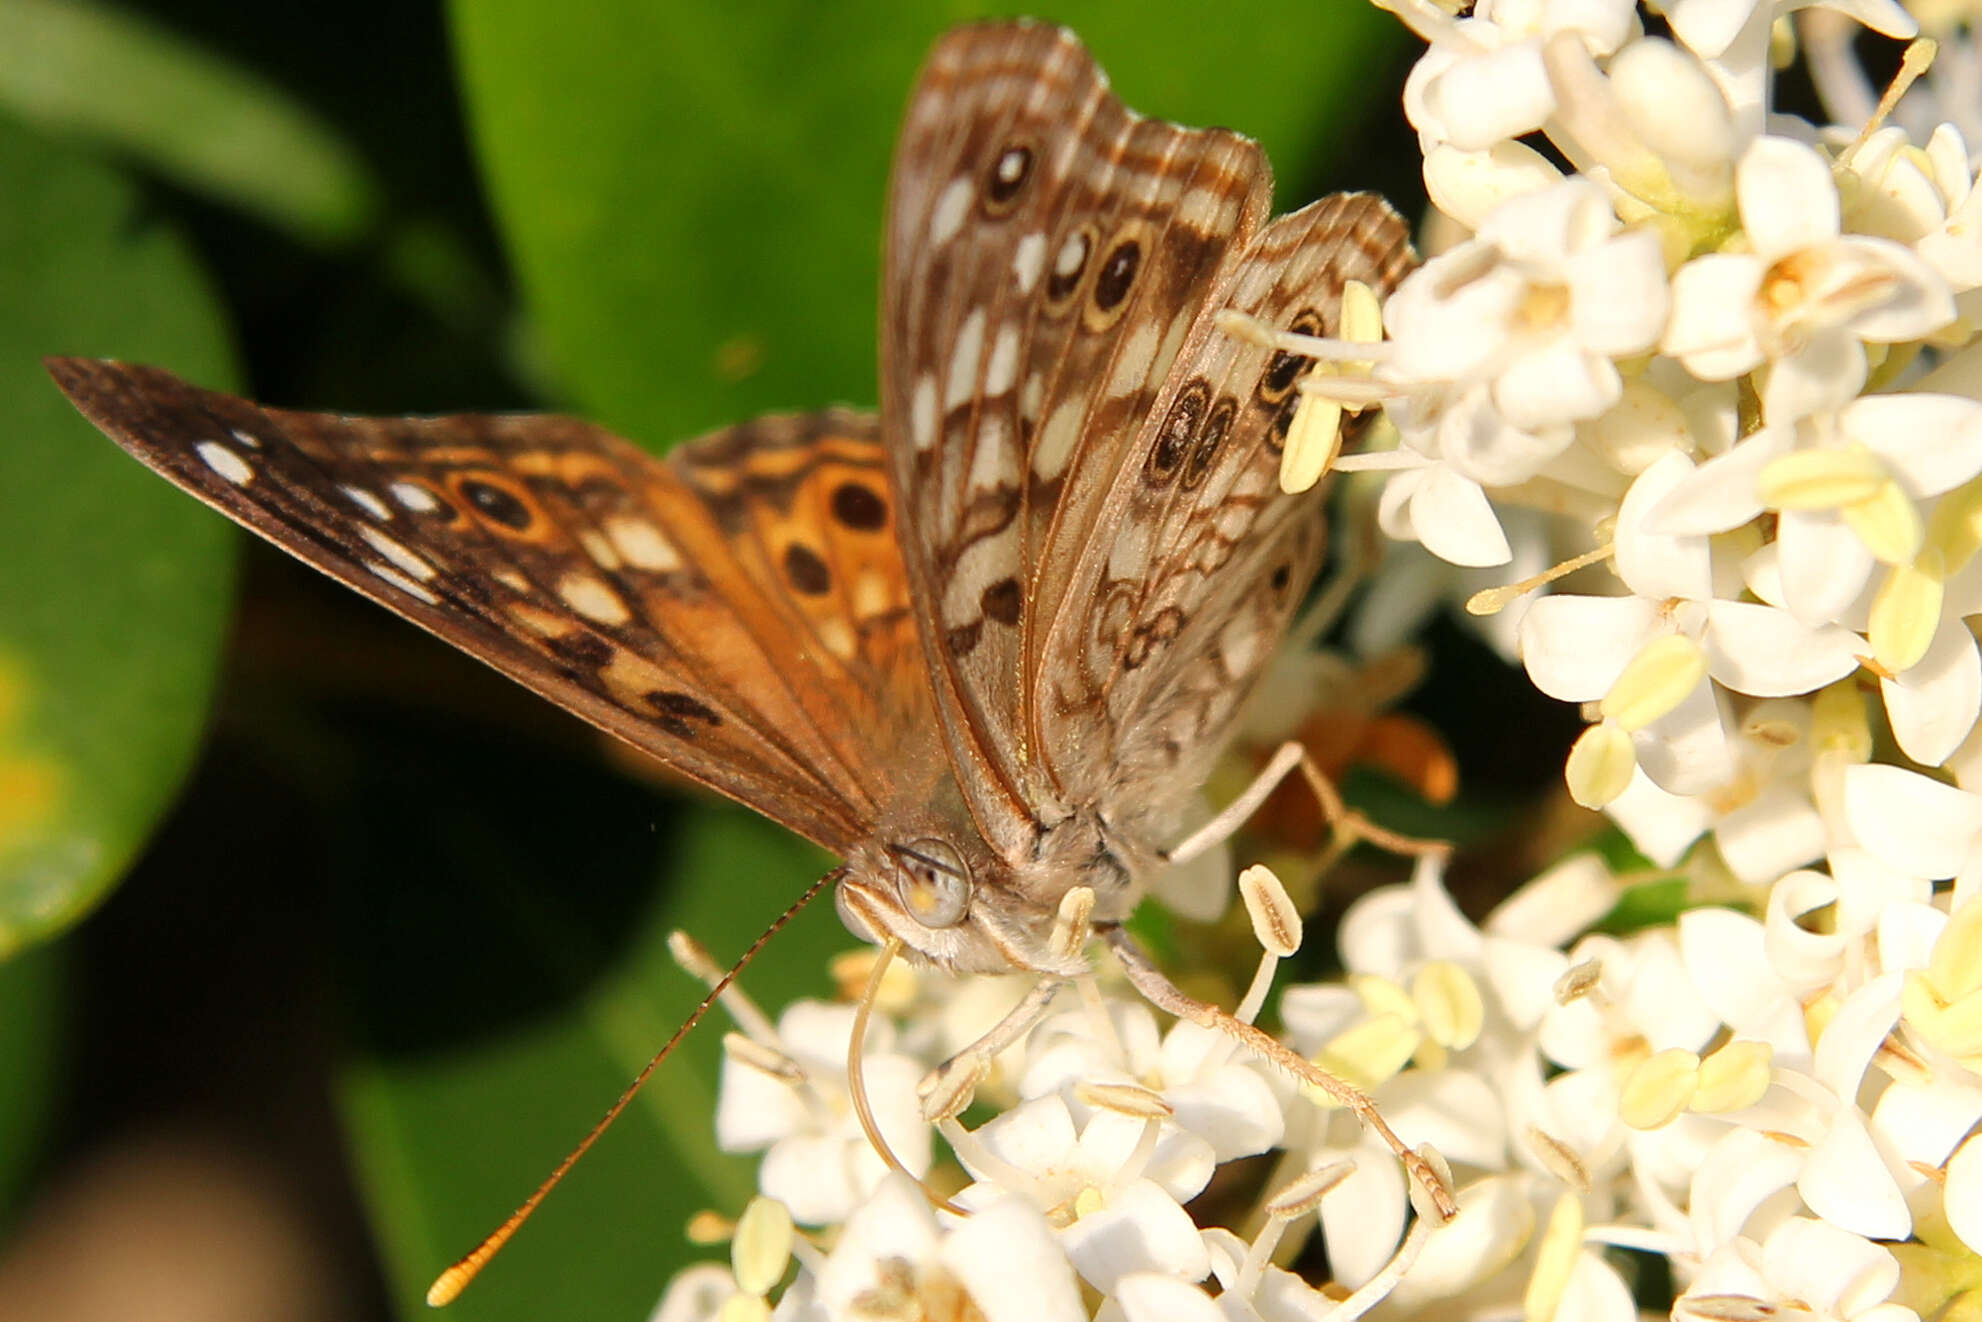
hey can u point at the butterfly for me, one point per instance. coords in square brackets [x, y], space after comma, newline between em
[983, 644]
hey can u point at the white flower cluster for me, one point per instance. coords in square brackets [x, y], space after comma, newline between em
[1728, 351]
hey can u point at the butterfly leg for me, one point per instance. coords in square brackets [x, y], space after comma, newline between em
[1159, 991]
[946, 1090]
[1350, 826]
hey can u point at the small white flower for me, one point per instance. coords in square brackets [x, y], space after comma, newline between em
[817, 1160]
[1825, 1274]
[1114, 1187]
[893, 1259]
[1535, 308]
[1806, 297]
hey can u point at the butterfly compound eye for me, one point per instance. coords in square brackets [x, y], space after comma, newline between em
[934, 882]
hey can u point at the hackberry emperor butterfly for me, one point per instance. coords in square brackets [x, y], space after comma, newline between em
[984, 645]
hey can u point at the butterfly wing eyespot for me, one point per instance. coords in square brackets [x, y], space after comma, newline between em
[638, 594]
[1046, 250]
[1199, 559]
[933, 882]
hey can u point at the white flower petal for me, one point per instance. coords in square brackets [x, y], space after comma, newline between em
[1711, 326]
[1856, 1031]
[1657, 565]
[1933, 705]
[1556, 383]
[1721, 493]
[1922, 1122]
[1726, 954]
[1911, 821]
[1468, 185]
[1619, 294]
[1153, 1297]
[1787, 196]
[1362, 1219]
[1766, 653]
[1233, 1109]
[1558, 905]
[1741, 1173]
[1139, 1229]
[1918, 303]
[1933, 442]
[1961, 1196]
[1596, 1293]
[1777, 830]
[1575, 647]
[1821, 374]
[1661, 826]
[1494, 95]
[1804, 959]
[812, 1176]
[1829, 1270]
[1012, 1266]
[1495, 1222]
[1687, 750]
[1454, 520]
[1822, 563]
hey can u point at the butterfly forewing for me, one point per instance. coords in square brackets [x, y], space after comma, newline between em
[1182, 587]
[642, 595]
[1048, 250]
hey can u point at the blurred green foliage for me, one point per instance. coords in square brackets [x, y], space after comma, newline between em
[662, 215]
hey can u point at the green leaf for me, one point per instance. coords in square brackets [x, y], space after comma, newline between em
[114, 588]
[510, 955]
[692, 194]
[113, 78]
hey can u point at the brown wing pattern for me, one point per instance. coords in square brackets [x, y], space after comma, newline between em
[739, 610]
[1183, 585]
[1048, 250]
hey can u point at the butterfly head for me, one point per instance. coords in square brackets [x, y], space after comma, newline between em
[944, 900]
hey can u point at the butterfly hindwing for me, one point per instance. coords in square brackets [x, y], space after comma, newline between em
[641, 594]
[1182, 588]
[1048, 250]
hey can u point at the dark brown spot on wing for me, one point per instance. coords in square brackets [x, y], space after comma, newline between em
[856, 506]
[1206, 450]
[806, 572]
[1180, 425]
[1002, 601]
[497, 501]
[1117, 275]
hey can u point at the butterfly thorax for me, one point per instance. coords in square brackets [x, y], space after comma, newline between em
[956, 903]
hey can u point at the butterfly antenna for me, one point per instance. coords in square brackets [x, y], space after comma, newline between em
[856, 1079]
[447, 1287]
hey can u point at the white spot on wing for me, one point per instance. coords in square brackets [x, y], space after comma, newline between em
[641, 545]
[922, 412]
[398, 554]
[983, 563]
[1072, 253]
[367, 502]
[225, 462]
[1056, 439]
[1132, 363]
[993, 462]
[602, 552]
[403, 583]
[837, 635]
[249, 439]
[1028, 260]
[952, 205]
[1004, 367]
[964, 359]
[592, 599]
[414, 497]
